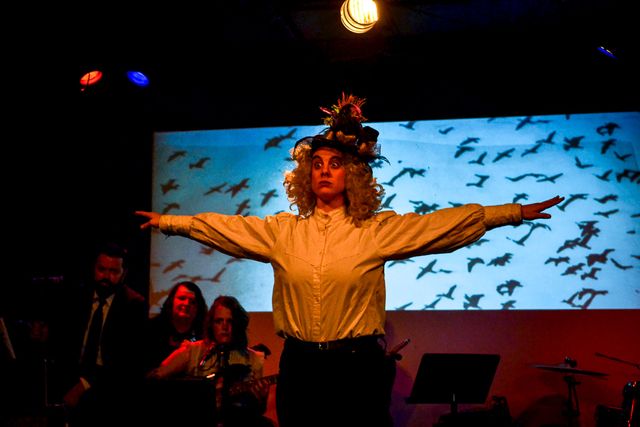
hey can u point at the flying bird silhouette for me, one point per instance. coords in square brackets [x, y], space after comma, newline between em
[604, 176]
[176, 154]
[573, 269]
[400, 261]
[606, 145]
[529, 121]
[480, 182]
[276, 140]
[501, 260]
[571, 299]
[532, 226]
[478, 242]
[472, 301]
[572, 198]
[404, 306]
[622, 157]
[591, 274]
[557, 260]
[422, 208]
[508, 287]
[267, 196]
[607, 128]
[172, 266]
[169, 207]
[427, 269]
[573, 143]
[242, 206]
[449, 294]
[470, 140]
[569, 244]
[411, 171]
[409, 125]
[387, 202]
[169, 185]
[608, 213]
[533, 150]
[509, 304]
[590, 294]
[235, 189]
[461, 150]
[548, 139]
[602, 257]
[551, 178]
[526, 175]
[620, 266]
[216, 189]
[199, 164]
[633, 175]
[581, 165]
[206, 250]
[520, 196]
[218, 275]
[479, 160]
[503, 154]
[432, 305]
[472, 263]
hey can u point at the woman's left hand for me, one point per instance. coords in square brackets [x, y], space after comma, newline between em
[534, 210]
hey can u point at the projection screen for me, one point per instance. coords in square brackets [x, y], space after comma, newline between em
[586, 257]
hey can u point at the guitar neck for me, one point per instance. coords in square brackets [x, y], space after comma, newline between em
[246, 385]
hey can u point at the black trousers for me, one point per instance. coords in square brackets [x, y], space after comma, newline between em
[348, 385]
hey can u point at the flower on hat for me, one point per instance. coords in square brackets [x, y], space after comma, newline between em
[345, 132]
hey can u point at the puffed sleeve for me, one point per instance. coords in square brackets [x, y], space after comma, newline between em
[402, 236]
[235, 235]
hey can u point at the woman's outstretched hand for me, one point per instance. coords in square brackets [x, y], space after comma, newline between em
[534, 210]
[152, 217]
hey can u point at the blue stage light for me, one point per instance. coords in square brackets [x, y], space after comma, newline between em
[138, 78]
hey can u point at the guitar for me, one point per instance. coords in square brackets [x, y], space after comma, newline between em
[245, 386]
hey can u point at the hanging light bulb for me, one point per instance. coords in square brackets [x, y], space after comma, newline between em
[358, 16]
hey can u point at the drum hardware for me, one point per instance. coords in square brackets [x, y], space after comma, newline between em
[569, 367]
[630, 395]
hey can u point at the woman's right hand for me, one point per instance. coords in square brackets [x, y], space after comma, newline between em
[153, 219]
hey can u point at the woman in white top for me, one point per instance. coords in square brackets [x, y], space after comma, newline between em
[328, 262]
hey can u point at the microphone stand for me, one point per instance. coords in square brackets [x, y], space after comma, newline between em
[615, 359]
[221, 379]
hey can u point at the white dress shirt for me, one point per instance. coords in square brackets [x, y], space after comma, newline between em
[328, 273]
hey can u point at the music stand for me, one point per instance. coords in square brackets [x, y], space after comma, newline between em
[454, 378]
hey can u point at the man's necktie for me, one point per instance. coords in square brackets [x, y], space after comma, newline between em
[93, 338]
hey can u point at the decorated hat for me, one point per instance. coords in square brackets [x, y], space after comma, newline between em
[345, 132]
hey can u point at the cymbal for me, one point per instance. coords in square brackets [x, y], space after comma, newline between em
[568, 369]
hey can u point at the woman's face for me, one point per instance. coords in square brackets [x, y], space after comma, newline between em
[222, 325]
[184, 304]
[328, 177]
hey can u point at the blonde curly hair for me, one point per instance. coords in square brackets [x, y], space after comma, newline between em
[363, 194]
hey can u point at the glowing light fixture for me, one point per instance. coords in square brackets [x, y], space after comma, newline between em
[606, 52]
[358, 16]
[138, 78]
[90, 78]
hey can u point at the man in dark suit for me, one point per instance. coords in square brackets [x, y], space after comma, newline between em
[99, 337]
